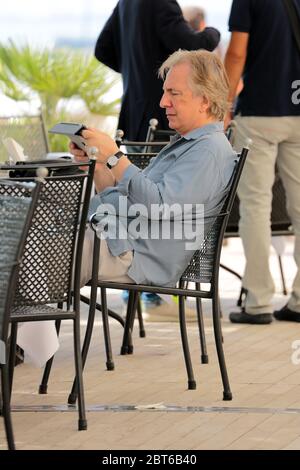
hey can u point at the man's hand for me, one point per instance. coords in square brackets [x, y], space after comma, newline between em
[106, 145]
[79, 155]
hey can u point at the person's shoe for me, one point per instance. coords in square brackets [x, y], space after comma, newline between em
[165, 312]
[19, 357]
[244, 317]
[150, 298]
[125, 295]
[286, 314]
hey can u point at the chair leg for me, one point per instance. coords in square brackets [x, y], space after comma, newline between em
[284, 289]
[5, 386]
[221, 316]
[241, 299]
[86, 344]
[43, 388]
[140, 318]
[227, 395]
[132, 318]
[204, 355]
[82, 422]
[127, 341]
[185, 345]
[12, 354]
[109, 360]
[220, 308]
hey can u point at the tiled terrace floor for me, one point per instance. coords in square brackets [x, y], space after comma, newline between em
[264, 412]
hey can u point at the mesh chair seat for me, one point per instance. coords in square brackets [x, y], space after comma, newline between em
[39, 312]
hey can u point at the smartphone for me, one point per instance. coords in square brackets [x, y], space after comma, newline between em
[73, 131]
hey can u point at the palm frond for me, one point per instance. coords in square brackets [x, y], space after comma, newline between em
[55, 74]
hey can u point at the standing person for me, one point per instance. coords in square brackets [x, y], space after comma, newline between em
[263, 49]
[135, 41]
[195, 16]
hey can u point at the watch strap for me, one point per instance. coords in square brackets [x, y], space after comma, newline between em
[118, 155]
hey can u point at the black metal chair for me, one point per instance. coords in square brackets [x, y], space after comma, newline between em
[15, 219]
[28, 131]
[203, 268]
[50, 272]
[280, 220]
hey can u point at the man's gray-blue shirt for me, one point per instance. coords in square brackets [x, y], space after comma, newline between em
[193, 170]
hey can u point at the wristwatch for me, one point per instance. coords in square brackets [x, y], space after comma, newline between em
[113, 159]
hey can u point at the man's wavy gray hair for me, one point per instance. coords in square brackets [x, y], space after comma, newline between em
[208, 78]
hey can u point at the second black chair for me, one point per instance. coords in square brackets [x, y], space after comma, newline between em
[16, 214]
[50, 272]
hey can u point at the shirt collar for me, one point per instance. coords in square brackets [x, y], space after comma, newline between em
[174, 138]
[204, 130]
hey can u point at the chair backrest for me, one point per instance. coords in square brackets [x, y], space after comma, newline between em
[156, 134]
[16, 212]
[204, 265]
[142, 154]
[28, 131]
[159, 138]
[55, 238]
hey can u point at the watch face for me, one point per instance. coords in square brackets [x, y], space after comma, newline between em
[113, 160]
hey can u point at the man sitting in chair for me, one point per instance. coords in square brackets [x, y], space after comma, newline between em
[190, 173]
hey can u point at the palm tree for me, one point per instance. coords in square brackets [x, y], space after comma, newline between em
[55, 77]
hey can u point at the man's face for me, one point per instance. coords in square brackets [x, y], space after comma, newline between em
[185, 111]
